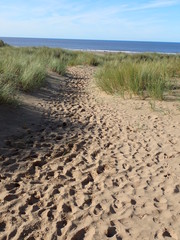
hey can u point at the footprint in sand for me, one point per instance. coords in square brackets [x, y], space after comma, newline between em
[80, 235]
[87, 203]
[100, 169]
[60, 225]
[98, 209]
[111, 231]
[12, 234]
[2, 226]
[10, 197]
[87, 181]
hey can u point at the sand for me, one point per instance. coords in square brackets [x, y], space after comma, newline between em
[90, 166]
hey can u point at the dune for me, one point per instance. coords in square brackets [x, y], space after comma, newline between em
[87, 165]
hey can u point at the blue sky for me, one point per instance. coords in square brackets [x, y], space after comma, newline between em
[151, 20]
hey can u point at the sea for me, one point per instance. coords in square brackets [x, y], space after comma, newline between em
[96, 45]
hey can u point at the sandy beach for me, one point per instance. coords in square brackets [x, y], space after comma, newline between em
[78, 164]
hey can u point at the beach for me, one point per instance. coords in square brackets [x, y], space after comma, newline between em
[86, 165]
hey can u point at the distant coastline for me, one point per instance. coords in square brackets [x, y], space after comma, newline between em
[96, 45]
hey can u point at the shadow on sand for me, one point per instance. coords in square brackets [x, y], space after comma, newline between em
[40, 127]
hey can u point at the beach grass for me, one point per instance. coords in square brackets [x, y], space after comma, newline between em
[7, 92]
[145, 75]
[25, 69]
[32, 77]
[57, 65]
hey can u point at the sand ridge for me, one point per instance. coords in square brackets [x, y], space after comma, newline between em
[96, 168]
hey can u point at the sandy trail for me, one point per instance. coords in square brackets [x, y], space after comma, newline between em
[97, 168]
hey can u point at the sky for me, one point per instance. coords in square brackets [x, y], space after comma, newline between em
[138, 20]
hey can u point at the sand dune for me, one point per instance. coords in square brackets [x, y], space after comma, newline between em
[96, 167]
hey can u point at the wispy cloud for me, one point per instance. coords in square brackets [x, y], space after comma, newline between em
[152, 4]
[86, 19]
[78, 9]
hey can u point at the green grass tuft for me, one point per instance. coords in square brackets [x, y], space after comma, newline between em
[33, 76]
[58, 66]
[143, 79]
[7, 92]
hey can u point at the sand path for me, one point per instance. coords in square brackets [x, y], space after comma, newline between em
[96, 168]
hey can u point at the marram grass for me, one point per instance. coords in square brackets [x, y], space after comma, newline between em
[57, 66]
[143, 79]
[7, 92]
[24, 69]
[32, 77]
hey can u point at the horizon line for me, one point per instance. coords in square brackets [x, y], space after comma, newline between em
[93, 39]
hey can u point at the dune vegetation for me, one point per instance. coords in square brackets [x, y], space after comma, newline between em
[26, 68]
[145, 75]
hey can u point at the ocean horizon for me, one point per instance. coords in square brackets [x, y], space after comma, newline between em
[96, 45]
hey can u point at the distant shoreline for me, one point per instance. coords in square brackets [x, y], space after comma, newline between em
[126, 52]
[129, 47]
[104, 51]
